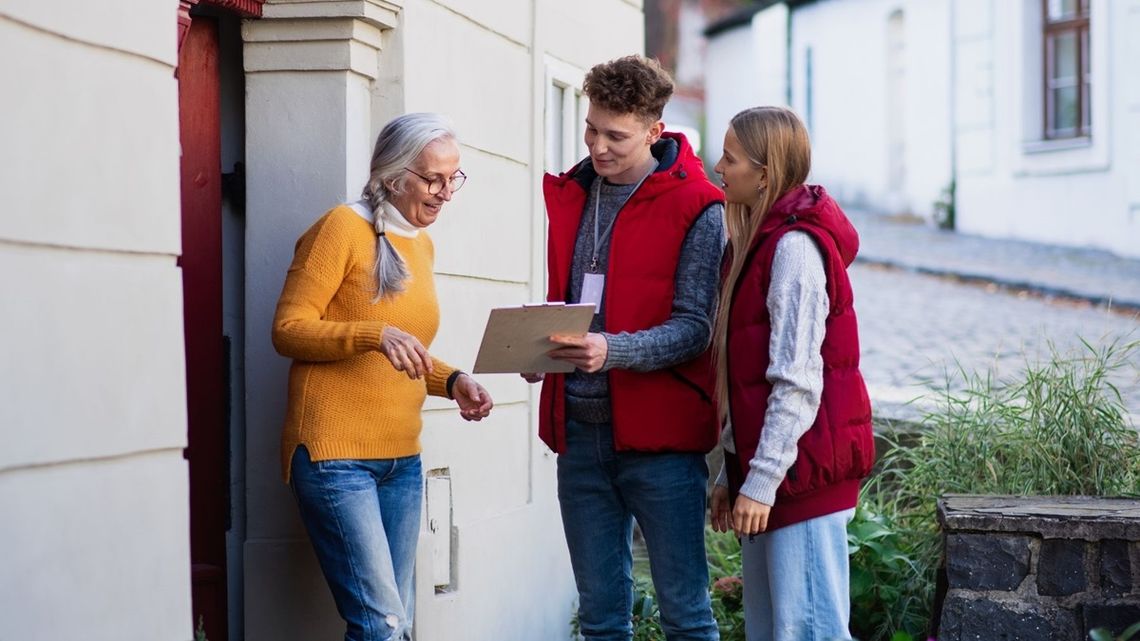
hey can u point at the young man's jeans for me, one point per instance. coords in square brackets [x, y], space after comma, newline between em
[601, 491]
[363, 518]
[796, 581]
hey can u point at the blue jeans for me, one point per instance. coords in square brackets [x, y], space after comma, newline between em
[363, 518]
[601, 491]
[796, 581]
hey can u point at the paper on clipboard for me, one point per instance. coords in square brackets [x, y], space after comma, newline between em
[517, 339]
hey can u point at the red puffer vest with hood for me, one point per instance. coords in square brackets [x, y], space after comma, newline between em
[838, 451]
[668, 410]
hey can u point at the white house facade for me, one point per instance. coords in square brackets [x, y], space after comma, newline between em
[1048, 121]
[141, 491]
[1022, 116]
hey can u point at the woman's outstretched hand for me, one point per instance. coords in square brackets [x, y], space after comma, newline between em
[405, 352]
[474, 402]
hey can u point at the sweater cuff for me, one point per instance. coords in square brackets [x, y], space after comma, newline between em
[721, 478]
[366, 336]
[760, 488]
[437, 379]
[618, 351]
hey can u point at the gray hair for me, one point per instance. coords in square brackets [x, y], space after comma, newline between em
[399, 144]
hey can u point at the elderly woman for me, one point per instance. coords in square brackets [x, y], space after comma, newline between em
[356, 315]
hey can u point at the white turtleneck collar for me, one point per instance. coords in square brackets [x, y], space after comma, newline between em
[394, 221]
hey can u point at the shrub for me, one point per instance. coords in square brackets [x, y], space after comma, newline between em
[1061, 428]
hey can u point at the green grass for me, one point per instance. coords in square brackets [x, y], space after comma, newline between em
[1060, 428]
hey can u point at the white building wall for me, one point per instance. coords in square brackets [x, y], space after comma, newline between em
[93, 486]
[747, 67]
[1010, 183]
[309, 135]
[851, 113]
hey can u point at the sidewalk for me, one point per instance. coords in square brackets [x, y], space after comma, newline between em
[922, 315]
[1082, 274]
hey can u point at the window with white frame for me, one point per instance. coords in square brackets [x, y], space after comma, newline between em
[565, 117]
[1067, 79]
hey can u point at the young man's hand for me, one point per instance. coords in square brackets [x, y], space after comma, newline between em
[587, 353]
[721, 512]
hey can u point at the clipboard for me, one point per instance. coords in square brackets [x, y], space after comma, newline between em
[517, 339]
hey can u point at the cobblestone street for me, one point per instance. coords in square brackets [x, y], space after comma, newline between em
[915, 327]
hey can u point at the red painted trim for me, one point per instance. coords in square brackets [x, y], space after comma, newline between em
[184, 7]
[207, 420]
[247, 8]
[244, 8]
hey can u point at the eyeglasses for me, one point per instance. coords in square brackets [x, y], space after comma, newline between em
[435, 185]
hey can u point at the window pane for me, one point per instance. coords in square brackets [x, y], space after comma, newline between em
[1086, 115]
[1064, 63]
[1063, 9]
[554, 129]
[1064, 111]
[1086, 84]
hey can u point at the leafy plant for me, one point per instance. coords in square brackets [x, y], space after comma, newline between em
[1058, 429]
[200, 631]
[1100, 634]
[727, 591]
[945, 208]
[888, 593]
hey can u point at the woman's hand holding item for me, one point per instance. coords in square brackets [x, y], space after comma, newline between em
[587, 353]
[532, 377]
[721, 516]
[749, 517]
[474, 402]
[405, 352]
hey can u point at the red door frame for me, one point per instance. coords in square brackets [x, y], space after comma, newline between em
[206, 368]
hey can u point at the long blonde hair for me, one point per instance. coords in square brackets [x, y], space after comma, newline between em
[775, 138]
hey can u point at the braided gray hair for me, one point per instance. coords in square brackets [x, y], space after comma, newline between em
[397, 147]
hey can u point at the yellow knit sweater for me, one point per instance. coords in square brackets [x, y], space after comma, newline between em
[345, 398]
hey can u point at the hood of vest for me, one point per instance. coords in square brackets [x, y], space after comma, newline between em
[811, 205]
[676, 164]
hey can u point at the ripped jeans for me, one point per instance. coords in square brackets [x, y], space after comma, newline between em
[363, 518]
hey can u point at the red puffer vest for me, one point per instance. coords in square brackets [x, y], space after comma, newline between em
[838, 451]
[666, 410]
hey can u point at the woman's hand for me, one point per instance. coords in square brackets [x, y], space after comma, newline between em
[749, 517]
[587, 353]
[531, 377]
[474, 402]
[721, 509]
[405, 352]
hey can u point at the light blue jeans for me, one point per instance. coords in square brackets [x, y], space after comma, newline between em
[796, 581]
[363, 518]
[601, 491]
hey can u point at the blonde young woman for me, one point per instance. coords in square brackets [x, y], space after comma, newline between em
[357, 314]
[798, 421]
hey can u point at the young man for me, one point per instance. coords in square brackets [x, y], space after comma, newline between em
[637, 229]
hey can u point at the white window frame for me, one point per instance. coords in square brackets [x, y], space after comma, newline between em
[561, 75]
[1032, 153]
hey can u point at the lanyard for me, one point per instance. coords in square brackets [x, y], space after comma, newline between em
[610, 227]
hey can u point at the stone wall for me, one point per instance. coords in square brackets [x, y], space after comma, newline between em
[1039, 568]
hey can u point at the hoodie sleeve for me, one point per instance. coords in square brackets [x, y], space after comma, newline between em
[688, 330]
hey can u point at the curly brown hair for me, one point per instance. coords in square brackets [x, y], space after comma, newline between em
[633, 84]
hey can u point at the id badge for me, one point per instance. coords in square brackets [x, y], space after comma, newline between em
[592, 287]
